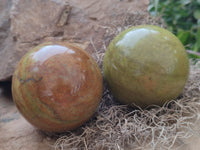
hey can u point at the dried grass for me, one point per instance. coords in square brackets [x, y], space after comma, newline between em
[121, 127]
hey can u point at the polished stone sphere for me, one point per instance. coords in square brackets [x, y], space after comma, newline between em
[57, 86]
[146, 65]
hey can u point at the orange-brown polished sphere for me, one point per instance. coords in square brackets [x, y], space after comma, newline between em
[57, 87]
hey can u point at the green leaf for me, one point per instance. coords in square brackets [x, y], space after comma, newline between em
[182, 17]
[198, 21]
[197, 44]
[193, 56]
[150, 7]
[185, 2]
[156, 5]
[196, 14]
[183, 36]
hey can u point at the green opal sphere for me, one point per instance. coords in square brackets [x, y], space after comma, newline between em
[146, 65]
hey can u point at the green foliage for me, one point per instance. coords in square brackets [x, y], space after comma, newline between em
[182, 17]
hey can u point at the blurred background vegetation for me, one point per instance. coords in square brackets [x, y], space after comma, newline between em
[182, 18]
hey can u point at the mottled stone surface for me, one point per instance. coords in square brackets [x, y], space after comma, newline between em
[29, 23]
[57, 86]
[146, 65]
[16, 132]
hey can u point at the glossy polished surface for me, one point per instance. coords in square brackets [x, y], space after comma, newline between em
[146, 65]
[57, 87]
